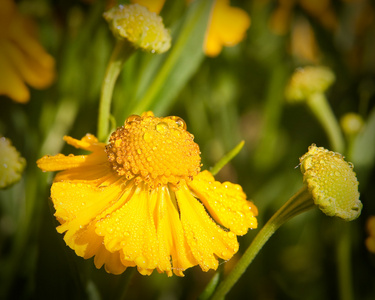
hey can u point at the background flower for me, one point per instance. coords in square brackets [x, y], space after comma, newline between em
[22, 59]
[227, 27]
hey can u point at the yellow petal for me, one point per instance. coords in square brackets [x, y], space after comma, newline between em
[111, 261]
[7, 12]
[62, 162]
[35, 64]
[89, 142]
[31, 70]
[226, 203]
[131, 229]
[170, 234]
[152, 5]
[11, 83]
[206, 239]
[227, 27]
[77, 204]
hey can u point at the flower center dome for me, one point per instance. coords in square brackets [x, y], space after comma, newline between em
[156, 150]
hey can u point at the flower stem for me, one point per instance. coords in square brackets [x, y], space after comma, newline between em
[122, 51]
[298, 203]
[319, 106]
[343, 261]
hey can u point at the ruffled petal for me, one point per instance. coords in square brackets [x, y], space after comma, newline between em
[206, 239]
[87, 244]
[11, 84]
[170, 234]
[35, 65]
[111, 261]
[89, 142]
[77, 204]
[62, 162]
[131, 229]
[226, 203]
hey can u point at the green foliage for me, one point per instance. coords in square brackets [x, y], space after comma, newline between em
[236, 96]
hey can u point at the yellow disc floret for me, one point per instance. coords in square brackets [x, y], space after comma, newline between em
[155, 150]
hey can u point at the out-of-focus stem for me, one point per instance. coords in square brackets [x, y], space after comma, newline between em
[318, 104]
[122, 51]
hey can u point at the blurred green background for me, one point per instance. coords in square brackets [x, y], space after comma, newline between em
[238, 95]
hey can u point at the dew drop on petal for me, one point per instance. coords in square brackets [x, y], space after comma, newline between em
[161, 127]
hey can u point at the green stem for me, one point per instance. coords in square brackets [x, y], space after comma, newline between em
[122, 51]
[227, 158]
[297, 204]
[319, 106]
[343, 261]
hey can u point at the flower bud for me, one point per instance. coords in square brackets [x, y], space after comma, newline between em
[308, 81]
[11, 163]
[351, 123]
[142, 28]
[331, 182]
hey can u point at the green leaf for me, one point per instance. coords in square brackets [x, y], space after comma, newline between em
[166, 74]
[363, 153]
[227, 158]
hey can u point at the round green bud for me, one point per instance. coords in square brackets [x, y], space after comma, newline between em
[142, 28]
[331, 182]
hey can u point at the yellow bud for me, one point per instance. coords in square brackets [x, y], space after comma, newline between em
[11, 163]
[331, 182]
[142, 28]
[308, 81]
[351, 123]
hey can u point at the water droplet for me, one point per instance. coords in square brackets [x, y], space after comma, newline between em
[131, 119]
[147, 137]
[179, 122]
[231, 235]
[161, 127]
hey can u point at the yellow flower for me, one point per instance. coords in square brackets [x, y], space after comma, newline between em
[142, 201]
[22, 58]
[227, 27]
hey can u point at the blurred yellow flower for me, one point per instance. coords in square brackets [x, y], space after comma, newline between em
[22, 59]
[227, 27]
[142, 201]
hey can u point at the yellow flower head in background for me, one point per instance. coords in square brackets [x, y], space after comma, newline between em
[139, 26]
[22, 59]
[142, 201]
[331, 182]
[227, 27]
[11, 163]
